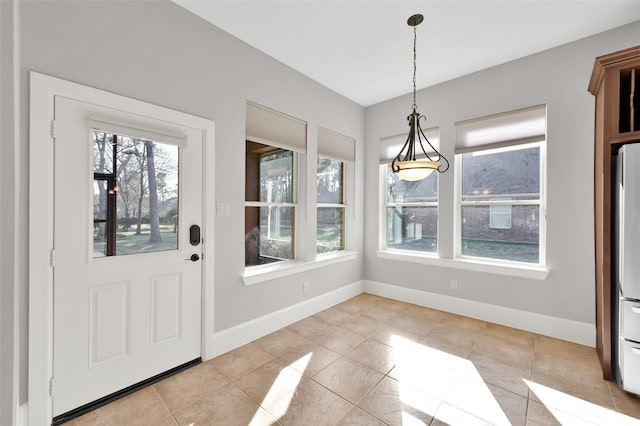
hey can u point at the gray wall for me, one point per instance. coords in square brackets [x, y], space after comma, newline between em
[558, 78]
[160, 53]
[9, 288]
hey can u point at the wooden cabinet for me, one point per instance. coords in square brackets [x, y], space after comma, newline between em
[615, 82]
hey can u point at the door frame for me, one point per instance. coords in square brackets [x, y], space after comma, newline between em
[43, 89]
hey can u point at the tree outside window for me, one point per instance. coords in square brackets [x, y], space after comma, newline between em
[135, 203]
[269, 206]
[331, 205]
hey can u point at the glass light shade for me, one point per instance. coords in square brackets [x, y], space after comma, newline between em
[415, 170]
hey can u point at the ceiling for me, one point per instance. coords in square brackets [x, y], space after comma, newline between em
[363, 49]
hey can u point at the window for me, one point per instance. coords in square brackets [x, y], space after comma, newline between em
[500, 165]
[336, 154]
[274, 142]
[410, 208]
[270, 206]
[135, 201]
[412, 213]
[331, 206]
[500, 216]
[500, 204]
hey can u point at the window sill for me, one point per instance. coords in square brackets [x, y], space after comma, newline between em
[258, 274]
[515, 270]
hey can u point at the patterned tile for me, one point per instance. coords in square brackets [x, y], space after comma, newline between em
[279, 342]
[309, 404]
[309, 358]
[348, 379]
[189, 385]
[371, 361]
[139, 408]
[241, 360]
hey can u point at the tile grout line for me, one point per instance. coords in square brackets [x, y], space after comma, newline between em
[164, 404]
[533, 363]
[537, 342]
[259, 404]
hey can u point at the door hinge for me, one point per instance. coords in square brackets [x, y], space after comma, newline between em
[52, 258]
[52, 384]
[53, 129]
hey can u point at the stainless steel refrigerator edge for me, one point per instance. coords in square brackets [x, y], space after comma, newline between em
[626, 297]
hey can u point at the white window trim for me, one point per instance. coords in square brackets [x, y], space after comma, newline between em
[331, 205]
[382, 243]
[262, 273]
[349, 184]
[296, 205]
[541, 202]
[267, 204]
[345, 167]
[513, 269]
[509, 268]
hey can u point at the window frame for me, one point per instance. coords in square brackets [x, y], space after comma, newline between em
[343, 206]
[383, 240]
[294, 205]
[540, 202]
[531, 127]
[113, 181]
[110, 219]
[493, 213]
[306, 256]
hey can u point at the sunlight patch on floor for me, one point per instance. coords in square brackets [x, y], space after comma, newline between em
[567, 408]
[450, 378]
[281, 381]
[409, 420]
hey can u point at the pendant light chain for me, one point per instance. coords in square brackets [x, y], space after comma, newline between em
[406, 165]
[415, 105]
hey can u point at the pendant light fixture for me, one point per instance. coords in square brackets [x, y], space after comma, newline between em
[405, 165]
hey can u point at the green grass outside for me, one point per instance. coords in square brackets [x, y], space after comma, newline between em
[518, 252]
[130, 243]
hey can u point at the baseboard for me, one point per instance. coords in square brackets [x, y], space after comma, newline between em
[244, 333]
[560, 328]
[22, 417]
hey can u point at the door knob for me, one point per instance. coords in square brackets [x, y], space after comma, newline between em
[194, 257]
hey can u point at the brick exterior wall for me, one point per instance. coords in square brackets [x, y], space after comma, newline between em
[524, 225]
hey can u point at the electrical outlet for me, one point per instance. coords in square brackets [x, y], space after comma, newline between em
[306, 287]
[454, 284]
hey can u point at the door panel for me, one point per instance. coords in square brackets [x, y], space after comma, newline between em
[166, 306]
[109, 322]
[120, 319]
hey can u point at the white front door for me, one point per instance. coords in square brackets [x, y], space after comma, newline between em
[127, 269]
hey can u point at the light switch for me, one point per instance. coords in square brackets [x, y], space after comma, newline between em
[224, 209]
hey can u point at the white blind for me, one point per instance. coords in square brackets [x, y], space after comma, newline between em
[390, 146]
[137, 130]
[335, 145]
[509, 128]
[270, 127]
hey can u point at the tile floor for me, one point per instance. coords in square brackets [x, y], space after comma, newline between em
[376, 361]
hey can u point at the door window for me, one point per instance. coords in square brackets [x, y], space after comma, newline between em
[135, 195]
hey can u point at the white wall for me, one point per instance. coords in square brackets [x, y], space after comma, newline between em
[160, 53]
[559, 78]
